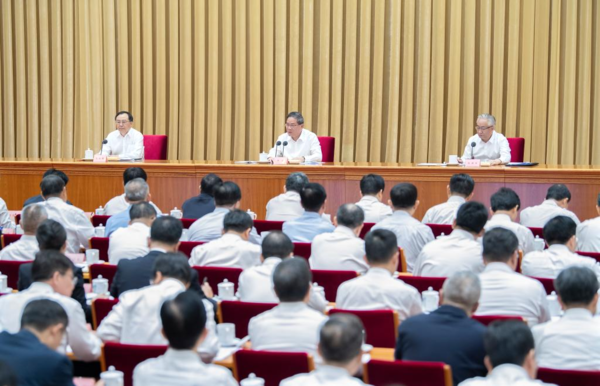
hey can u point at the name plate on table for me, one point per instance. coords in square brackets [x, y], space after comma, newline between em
[280, 161]
[100, 158]
[472, 163]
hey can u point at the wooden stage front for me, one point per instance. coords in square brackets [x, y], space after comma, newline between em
[172, 182]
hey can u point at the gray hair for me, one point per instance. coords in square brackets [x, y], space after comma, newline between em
[462, 288]
[350, 215]
[297, 116]
[489, 118]
[32, 216]
[137, 190]
[296, 182]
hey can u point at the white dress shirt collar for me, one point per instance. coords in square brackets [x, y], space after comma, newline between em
[159, 250]
[498, 266]
[40, 287]
[399, 213]
[559, 248]
[509, 373]
[578, 314]
[550, 202]
[458, 199]
[29, 238]
[501, 218]
[369, 198]
[292, 306]
[376, 271]
[345, 231]
[273, 260]
[462, 234]
[55, 200]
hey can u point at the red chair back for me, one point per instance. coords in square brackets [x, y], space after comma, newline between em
[438, 229]
[240, 313]
[272, 366]
[327, 148]
[11, 269]
[101, 244]
[407, 373]
[100, 309]
[366, 229]
[594, 255]
[537, 232]
[331, 280]
[381, 326]
[126, 356]
[569, 377]
[187, 222]
[18, 218]
[302, 249]
[186, 247]
[99, 220]
[267, 226]
[155, 147]
[422, 283]
[9, 239]
[107, 271]
[546, 282]
[517, 149]
[216, 275]
[486, 320]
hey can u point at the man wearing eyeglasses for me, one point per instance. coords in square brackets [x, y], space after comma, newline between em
[300, 144]
[125, 141]
[489, 145]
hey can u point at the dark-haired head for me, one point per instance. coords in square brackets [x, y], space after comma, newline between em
[55, 269]
[506, 200]
[295, 182]
[313, 197]
[51, 235]
[508, 342]
[340, 339]
[372, 184]
[560, 193]
[56, 172]
[577, 287]
[351, 216]
[277, 244]
[500, 246]
[184, 320]
[227, 194]
[142, 211]
[381, 247]
[172, 266]
[126, 114]
[209, 182]
[404, 196]
[238, 221]
[560, 230]
[471, 217]
[46, 318]
[133, 173]
[52, 186]
[461, 184]
[292, 278]
[166, 230]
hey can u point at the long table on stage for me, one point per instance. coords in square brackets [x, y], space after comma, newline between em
[172, 182]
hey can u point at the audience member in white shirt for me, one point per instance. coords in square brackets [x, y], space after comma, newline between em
[505, 208]
[233, 248]
[510, 357]
[588, 233]
[132, 242]
[340, 346]
[410, 233]
[297, 143]
[460, 251]
[378, 289]
[184, 322]
[459, 191]
[304, 228]
[504, 291]
[487, 144]
[573, 341]
[371, 190]
[292, 325]
[5, 219]
[27, 246]
[342, 249]
[556, 204]
[125, 142]
[136, 191]
[287, 205]
[119, 203]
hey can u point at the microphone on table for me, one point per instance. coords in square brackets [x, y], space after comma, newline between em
[473, 144]
[284, 145]
[277, 144]
[102, 146]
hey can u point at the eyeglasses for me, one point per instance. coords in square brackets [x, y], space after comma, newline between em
[482, 128]
[291, 125]
[122, 122]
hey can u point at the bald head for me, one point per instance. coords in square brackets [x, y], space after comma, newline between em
[31, 217]
[350, 215]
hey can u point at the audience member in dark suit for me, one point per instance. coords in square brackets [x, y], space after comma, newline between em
[31, 353]
[448, 334]
[7, 375]
[39, 198]
[204, 203]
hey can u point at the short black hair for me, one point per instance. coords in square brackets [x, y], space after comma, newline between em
[291, 279]
[43, 313]
[505, 199]
[462, 184]
[183, 320]
[598, 200]
[174, 266]
[237, 220]
[277, 244]
[508, 342]
[297, 116]
[576, 285]
[404, 195]
[133, 173]
[7, 375]
[209, 182]
[380, 246]
[48, 262]
[499, 245]
[166, 230]
[559, 230]
[341, 337]
[558, 192]
[129, 116]
[295, 182]
[51, 235]
[313, 196]
[56, 172]
[226, 194]
[52, 186]
[142, 209]
[472, 216]
[371, 184]
[350, 215]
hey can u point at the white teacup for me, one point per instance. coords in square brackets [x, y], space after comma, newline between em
[92, 256]
[226, 334]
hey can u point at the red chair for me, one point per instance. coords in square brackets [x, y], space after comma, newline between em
[327, 148]
[302, 249]
[546, 282]
[18, 218]
[107, 271]
[240, 313]
[9, 239]
[267, 226]
[594, 255]
[101, 244]
[155, 147]
[407, 373]
[486, 320]
[422, 283]
[537, 232]
[186, 247]
[11, 269]
[100, 309]
[331, 280]
[272, 366]
[366, 229]
[569, 377]
[124, 357]
[381, 326]
[438, 229]
[215, 275]
[517, 149]
[187, 222]
[99, 220]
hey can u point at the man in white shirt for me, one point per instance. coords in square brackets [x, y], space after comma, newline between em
[53, 279]
[342, 249]
[297, 143]
[378, 289]
[135, 319]
[371, 190]
[27, 246]
[510, 356]
[76, 223]
[411, 235]
[132, 242]
[459, 191]
[233, 248]
[559, 233]
[340, 346]
[304, 229]
[5, 220]
[184, 323]
[504, 291]
[556, 204]
[118, 203]
[292, 325]
[487, 144]
[505, 209]
[588, 233]
[287, 205]
[125, 142]
[460, 251]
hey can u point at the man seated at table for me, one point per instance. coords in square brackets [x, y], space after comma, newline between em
[43, 327]
[27, 246]
[342, 249]
[184, 323]
[459, 191]
[304, 229]
[287, 205]
[371, 190]
[132, 242]
[556, 204]
[505, 207]
[37, 199]
[302, 145]
[340, 346]
[203, 204]
[487, 144]
[460, 251]
[588, 233]
[136, 191]
[125, 142]
[378, 289]
[292, 325]
[118, 204]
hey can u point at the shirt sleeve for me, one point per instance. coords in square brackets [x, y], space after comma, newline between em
[106, 149]
[315, 154]
[5, 221]
[85, 345]
[85, 229]
[544, 309]
[504, 151]
[467, 152]
[136, 150]
[210, 346]
[317, 301]
[111, 327]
